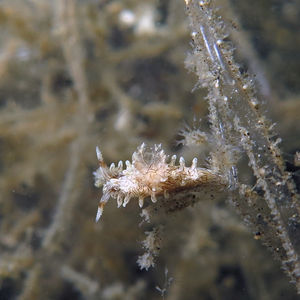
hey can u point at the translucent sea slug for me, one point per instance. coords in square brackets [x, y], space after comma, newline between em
[150, 175]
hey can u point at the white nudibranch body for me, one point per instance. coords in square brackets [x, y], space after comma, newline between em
[149, 175]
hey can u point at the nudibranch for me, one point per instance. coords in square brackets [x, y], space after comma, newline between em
[149, 175]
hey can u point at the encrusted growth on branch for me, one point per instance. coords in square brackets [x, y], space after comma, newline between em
[237, 121]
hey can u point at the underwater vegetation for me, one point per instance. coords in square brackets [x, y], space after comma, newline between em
[112, 74]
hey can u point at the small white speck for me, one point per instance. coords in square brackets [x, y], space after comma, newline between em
[23, 53]
[127, 17]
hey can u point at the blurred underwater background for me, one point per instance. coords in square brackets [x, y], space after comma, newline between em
[76, 74]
